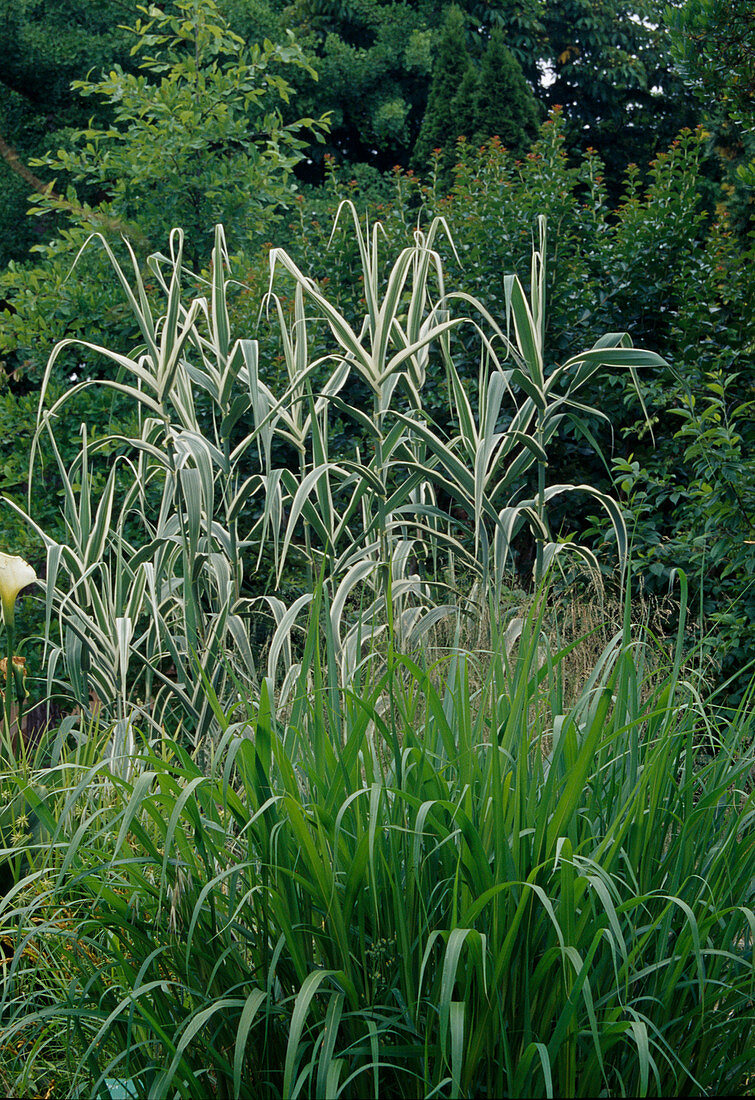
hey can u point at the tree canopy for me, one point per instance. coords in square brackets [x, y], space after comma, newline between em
[715, 43]
[607, 63]
[195, 135]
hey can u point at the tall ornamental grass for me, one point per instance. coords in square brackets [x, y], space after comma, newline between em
[148, 599]
[350, 864]
[442, 881]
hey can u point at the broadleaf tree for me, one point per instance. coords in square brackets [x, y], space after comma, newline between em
[714, 42]
[609, 64]
[196, 136]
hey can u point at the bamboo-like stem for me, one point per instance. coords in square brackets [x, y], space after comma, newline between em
[307, 529]
[540, 507]
[232, 524]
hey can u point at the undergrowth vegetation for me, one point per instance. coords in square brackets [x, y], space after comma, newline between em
[442, 881]
[376, 835]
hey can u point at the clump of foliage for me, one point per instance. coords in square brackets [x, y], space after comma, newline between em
[713, 40]
[504, 106]
[461, 101]
[450, 94]
[45, 44]
[195, 134]
[443, 881]
[225, 471]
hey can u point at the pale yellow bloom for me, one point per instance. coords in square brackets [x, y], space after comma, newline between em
[15, 574]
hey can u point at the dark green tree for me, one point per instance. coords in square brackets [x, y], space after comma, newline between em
[463, 109]
[440, 125]
[504, 104]
[44, 45]
[374, 59]
[714, 42]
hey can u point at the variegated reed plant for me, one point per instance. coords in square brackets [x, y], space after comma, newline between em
[146, 607]
[416, 888]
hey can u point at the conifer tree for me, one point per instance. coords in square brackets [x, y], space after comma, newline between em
[439, 127]
[464, 105]
[504, 105]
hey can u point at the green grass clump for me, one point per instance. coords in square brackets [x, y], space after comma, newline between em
[355, 862]
[443, 882]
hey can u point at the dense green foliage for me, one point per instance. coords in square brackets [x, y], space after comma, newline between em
[615, 78]
[608, 65]
[450, 99]
[195, 137]
[504, 105]
[463, 102]
[374, 60]
[435, 840]
[45, 44]
[452, 880]
[337, 796]
[226, 467]
[714, 40]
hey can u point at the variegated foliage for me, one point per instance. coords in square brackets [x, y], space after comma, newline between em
[146, 602]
